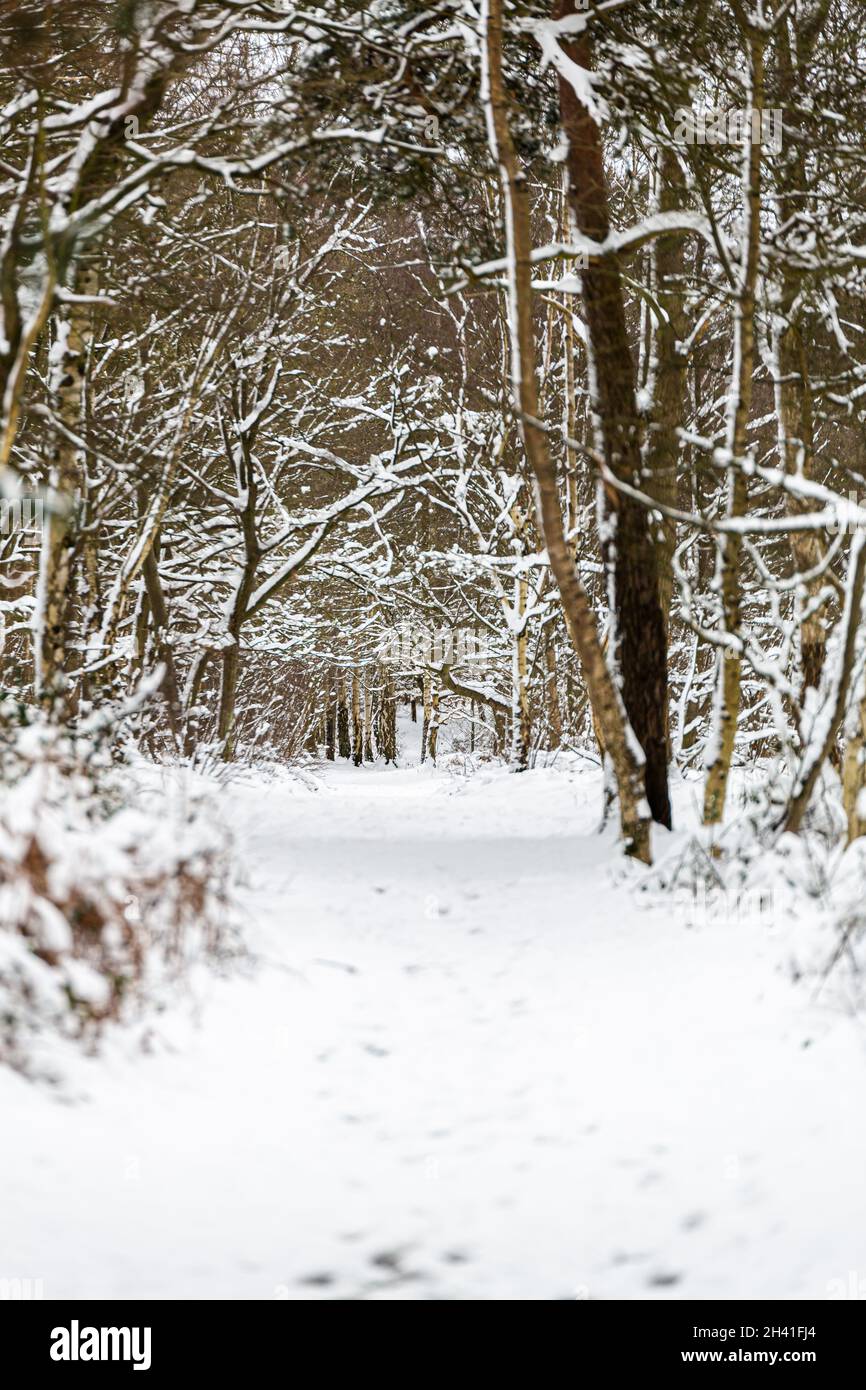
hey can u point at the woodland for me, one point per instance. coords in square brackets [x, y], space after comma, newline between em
[460, 390]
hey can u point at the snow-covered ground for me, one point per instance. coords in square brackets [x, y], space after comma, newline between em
[468, 1061]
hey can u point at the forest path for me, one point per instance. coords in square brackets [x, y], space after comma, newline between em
[466, 1063]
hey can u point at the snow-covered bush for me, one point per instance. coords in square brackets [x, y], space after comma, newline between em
[102, 895]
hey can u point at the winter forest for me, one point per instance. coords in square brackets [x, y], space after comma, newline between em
[432, 649]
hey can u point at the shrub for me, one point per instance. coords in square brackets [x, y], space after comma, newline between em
[100, 898]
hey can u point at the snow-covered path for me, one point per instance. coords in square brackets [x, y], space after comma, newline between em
[466, 1064]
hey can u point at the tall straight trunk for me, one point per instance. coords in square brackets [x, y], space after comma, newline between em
[433, 730]
[520, 712]
[728, 666]
[569, 348]
[245, 581]
[428, 710]
[386, 730]
[578, 614]
[344, 745]
[639, 648]
[54, 607]
[368, 717]
[797, 450]
[357, 726]
[330, 722]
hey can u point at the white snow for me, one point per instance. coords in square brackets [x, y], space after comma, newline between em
[468, 1062]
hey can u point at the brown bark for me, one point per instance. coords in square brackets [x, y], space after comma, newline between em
[368, 717]
[56, 576]
[578, 614]
[330, 722]
[433, 730]
[344, 746]
[357, 726]
[469, 692]
[641, 647]
[386, 722]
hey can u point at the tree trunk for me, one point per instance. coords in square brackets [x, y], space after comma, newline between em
[728, 577]
[162, 647]
[854, 768]
[54, 606]
[428, 709]
[330, 722]
[344, 745]
[231, 656]
[639, 648]
[369, 756]
[520, 712]
[357, 726]
[194, 682]
[578, 615]
[433, 731]
[386, 732]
